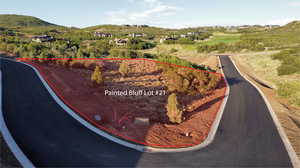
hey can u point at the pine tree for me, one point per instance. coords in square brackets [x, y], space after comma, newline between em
[97, 76]
[173, 111]
[124, 69]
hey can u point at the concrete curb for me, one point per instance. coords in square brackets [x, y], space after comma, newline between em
[21, 157]
[141, 148]
[292, 154]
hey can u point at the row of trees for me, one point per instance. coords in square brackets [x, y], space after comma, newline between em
[252, 45]
[180, 41]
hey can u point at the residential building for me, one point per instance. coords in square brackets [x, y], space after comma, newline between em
[42, 38]
[121, 42]
[102, 34]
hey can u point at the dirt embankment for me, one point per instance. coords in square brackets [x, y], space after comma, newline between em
[147, 103]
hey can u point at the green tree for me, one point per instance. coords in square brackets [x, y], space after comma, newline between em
[97, 76]
[124, 69]
[173, 111]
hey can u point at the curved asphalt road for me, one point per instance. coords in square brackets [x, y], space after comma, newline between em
[246, 137]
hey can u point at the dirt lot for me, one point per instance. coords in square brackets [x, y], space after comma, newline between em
[288, 115]
[119, 114]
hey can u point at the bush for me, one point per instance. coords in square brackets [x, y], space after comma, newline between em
[173, 50]
[173, 111]
[97, 76]
[124, 69]
[116, 53]
[179, 41]
[173, 60]
[174, 81]
[290, 90]
[137, 44]
[290, 61]
[189, 81]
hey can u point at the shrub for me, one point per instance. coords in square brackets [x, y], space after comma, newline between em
[123, 53]
[124, 69]
[173, 50]
[189, 81]
[290, 90]
[173, 60]
[173, 111]
[138, 44]
[290, 61]
[97, 76]
[174, 81]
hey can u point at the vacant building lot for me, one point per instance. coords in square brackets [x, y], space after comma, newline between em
[133, 104]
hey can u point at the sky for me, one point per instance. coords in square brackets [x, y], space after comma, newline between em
[161, 13]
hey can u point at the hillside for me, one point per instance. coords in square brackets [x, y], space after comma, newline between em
[22, 21]
[282, 37]
[291, 27]
[119, 29]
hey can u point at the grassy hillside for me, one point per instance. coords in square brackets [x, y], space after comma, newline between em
[282, 37]
[22, 21]
[222, 38]
[121, 29]
[28, 24]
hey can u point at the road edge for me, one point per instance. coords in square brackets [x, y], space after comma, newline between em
[11, 143]
[292, 154]
[141, 148]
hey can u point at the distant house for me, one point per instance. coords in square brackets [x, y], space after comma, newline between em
[167, 38]
[194, 33]
[121, 42]
[135, 35]
[42, 38]
[183, 36]
[175, 36]
[102, 34]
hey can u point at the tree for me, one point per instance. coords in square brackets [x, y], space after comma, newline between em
[173, 111]
[124, 69]
[97, 76]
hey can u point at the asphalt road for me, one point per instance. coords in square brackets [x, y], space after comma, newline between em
[246, 137]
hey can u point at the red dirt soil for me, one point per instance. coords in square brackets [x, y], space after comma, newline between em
[74, 87]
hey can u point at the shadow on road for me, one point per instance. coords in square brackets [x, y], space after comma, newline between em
[233, 81]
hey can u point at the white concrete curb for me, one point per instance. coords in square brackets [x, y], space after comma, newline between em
[141, 148]
[21, 157]
[292, 154]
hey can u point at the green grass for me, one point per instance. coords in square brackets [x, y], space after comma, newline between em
[216, 39]
[222, 38]
[265, 67]
[189, 47]
[278, 38]
[290, 90]
[22, 21]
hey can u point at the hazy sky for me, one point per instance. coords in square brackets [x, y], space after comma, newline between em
[163, 13]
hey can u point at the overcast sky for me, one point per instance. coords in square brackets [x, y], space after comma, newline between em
[163, 13]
